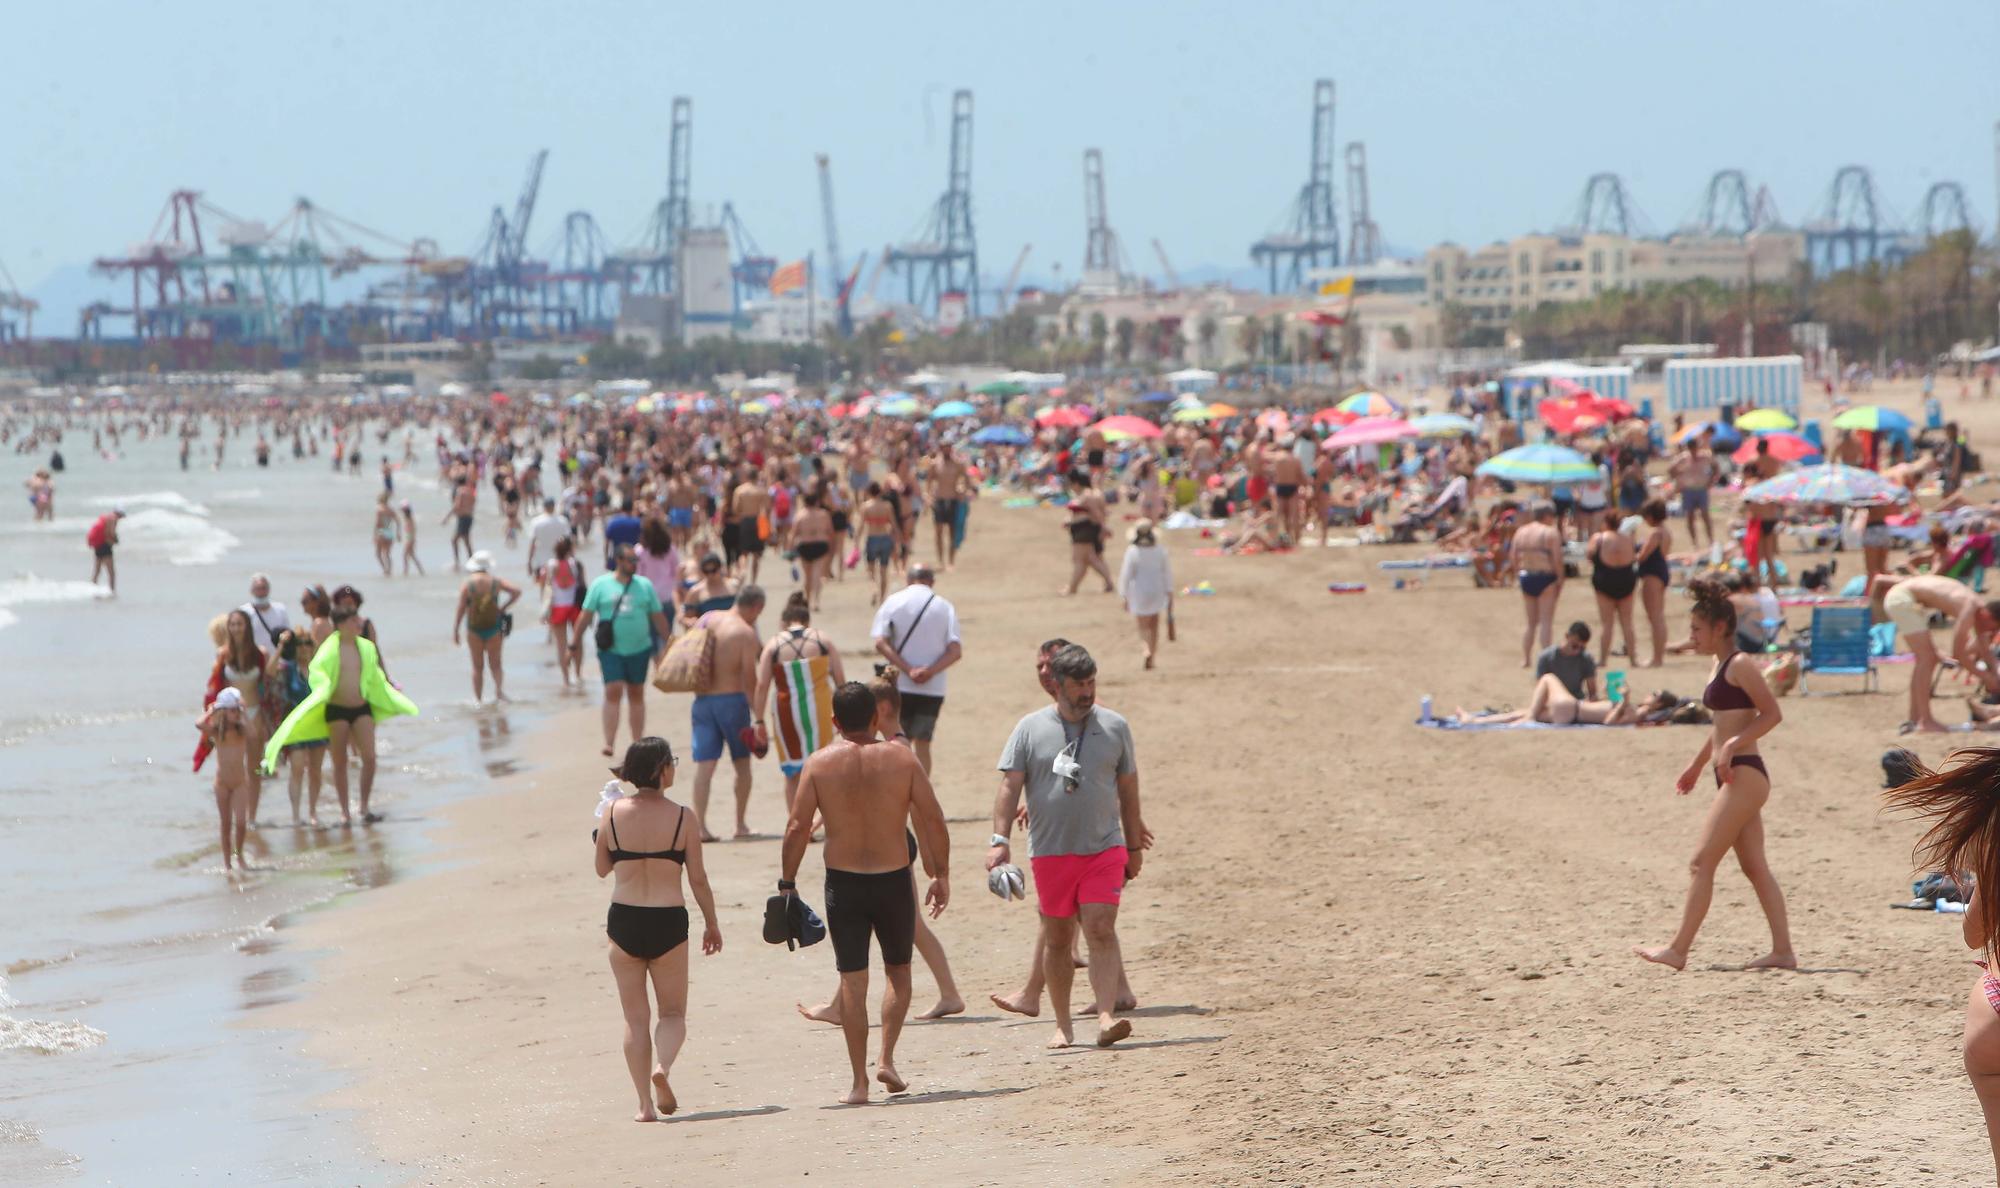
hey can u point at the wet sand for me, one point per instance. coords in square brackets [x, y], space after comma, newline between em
[1366, 953]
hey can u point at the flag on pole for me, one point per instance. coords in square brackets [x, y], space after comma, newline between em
[789, 278]
[1344, 287]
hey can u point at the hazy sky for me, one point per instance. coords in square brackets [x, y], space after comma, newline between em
[1482, 120]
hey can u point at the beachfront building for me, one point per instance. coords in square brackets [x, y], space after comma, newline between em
[1490, 284]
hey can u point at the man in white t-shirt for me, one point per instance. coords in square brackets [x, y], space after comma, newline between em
[916, 631]
[268, 619]
[543, 533]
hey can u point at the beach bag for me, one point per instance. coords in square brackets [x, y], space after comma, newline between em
[689, 665]
[606, 635]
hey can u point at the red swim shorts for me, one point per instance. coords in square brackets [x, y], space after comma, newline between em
[1062, 881]
[558, 615]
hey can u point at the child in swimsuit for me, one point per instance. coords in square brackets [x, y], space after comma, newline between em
[226, 731]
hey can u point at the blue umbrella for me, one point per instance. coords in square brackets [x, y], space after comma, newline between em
[1551, 464]
[1726, 436]
[1001, 435]
[953, 408]
[1156, 398]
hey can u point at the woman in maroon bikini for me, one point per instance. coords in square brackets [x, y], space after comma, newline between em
[1744, 710]
[1964, 811]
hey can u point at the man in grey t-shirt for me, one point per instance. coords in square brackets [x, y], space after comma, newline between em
[1077, 764]
[1571, 663]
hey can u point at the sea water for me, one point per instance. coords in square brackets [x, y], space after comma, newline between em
[127, 954]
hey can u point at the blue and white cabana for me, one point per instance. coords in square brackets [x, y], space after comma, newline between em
[1697, 385]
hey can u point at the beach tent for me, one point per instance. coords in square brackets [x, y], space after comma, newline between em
[1696, 385]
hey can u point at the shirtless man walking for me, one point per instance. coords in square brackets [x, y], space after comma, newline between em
[865, 790]
[947, 490]
[1288, 478]
[1908, 602]
[721, 716]
[747, 503]
[1694, 473]
[464, 501]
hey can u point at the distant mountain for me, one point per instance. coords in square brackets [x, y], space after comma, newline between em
[63, 294]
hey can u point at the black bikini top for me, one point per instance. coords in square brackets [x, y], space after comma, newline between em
[619, 855]
[1721, 694]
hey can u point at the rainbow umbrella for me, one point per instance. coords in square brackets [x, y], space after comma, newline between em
[1848, 486]
[1445, 425]
[1541, 464]
[1370, 431]
[1124, 427]
[1872, 418]
[1758, 419]
[1370, 404]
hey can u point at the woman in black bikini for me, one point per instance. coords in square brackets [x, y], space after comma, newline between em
[813, 536]
[1086, 533]
[1654, 575]
[1613, 577]
[1536, 551]
[648, 921]
[1745, 710]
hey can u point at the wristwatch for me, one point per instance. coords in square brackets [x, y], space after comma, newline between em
[1000, 839]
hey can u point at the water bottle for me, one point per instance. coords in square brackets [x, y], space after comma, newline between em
[1948, 907]
[1424, 709]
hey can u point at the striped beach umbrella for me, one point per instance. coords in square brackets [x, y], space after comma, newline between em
[1833, 483]
[1540, 464]
[1370, 404]
[1445, 425]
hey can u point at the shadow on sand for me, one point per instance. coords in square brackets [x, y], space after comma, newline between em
[719, 1115]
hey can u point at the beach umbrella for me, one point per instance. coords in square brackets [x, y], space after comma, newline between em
[1334, 416]
[1370, 431]
[1274, 419]
[1001, 388]
[1369, 404]
[902, 406]
[645, 406]
[1721, 434]
[1765, 418]
[1066, 417]
[1541, 463]
[1156, 398]
[1127, 427]
[1193, 413]
[839, 410]
[756, 408]
[1849, 486]
[1785, 447]
[1001, 435]
[1222, 410]
[1445, 425]
[953, 408]
[1872, 418]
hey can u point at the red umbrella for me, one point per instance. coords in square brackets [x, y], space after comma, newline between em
[1068, 418]
[1785, 447]
[1334, 416]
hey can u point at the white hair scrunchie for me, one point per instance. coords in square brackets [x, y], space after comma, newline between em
[612, 791]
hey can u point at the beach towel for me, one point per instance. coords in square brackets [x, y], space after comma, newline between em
[1455, 724]
[805, 707]
[1440, 561]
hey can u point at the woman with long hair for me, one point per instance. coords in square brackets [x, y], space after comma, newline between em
[1744, 710]
[240, 664]
[1962, 804]
[648, 921]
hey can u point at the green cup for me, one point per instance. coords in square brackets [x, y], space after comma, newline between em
[1614, 686]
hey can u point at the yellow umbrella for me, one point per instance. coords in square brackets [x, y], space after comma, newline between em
[1759, 420]
[1193, 414]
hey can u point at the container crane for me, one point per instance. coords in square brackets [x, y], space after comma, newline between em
[1008, 291]
[1173, 278]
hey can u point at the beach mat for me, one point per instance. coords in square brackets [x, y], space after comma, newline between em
[1439, 562]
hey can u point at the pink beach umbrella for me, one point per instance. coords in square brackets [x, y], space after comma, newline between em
[1371, 431]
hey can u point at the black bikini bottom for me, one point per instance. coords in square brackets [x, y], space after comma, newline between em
[646, 932]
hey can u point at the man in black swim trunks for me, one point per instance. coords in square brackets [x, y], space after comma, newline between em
[865, 791]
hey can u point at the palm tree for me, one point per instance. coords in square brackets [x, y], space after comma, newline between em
[1250, 338]
[1126, 330]
[1205, 332]
[1100, 332]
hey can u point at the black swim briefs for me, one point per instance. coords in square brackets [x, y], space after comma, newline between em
[860, 904]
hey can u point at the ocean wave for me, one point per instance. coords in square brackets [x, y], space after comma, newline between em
[239, 495]
[8, 618]
[181, 538]
[50, 1037]
[169, 500]
[29, 588]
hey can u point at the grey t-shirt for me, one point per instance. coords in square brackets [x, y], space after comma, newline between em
[1085, 821]
[1572, 671]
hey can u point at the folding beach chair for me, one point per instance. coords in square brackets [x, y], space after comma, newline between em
[1839, 646]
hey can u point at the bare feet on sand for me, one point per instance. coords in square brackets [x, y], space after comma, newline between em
[1107, 1036]
[889, 1079]
[944, 1007]
[1017, 1004]
[856, 1096]
[1664, 955]
[1117, 1004]
[645, 1114]
[1061, 1039]
[663, 1095]
[830, 1013]
[1774, 961]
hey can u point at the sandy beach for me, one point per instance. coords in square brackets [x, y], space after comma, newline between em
[1366, 953]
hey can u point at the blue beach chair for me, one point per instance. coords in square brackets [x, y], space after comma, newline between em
[1839, 646]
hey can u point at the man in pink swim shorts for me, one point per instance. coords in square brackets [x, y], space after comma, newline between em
[1077, 765]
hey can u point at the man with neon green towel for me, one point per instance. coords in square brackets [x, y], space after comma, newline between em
[350, 694]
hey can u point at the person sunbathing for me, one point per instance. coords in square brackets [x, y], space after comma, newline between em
[1565, 691]
[1263, 532]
